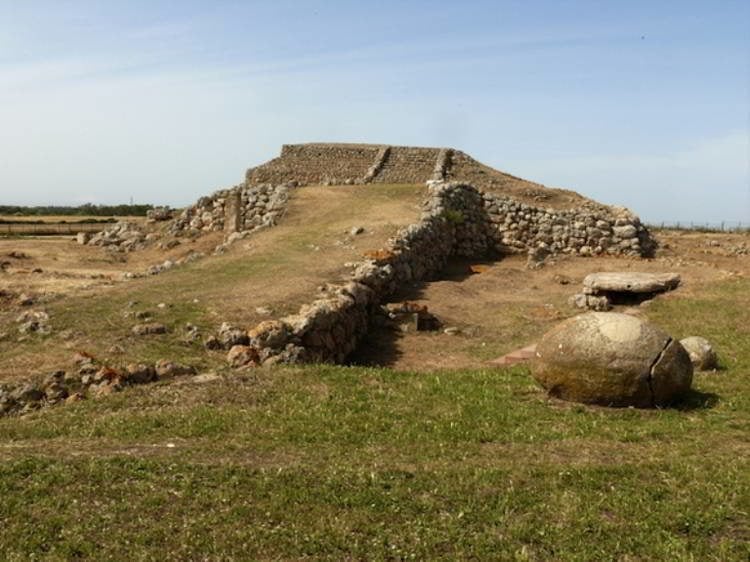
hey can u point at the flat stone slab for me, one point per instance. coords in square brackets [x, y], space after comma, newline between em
[629, 282]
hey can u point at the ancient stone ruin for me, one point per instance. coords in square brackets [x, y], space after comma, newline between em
[603, 290]
[507, 214]
[458, 220]
[471, 210]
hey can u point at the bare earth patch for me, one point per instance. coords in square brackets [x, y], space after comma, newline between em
[508, 306]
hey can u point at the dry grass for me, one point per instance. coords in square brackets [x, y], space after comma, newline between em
[278, 268]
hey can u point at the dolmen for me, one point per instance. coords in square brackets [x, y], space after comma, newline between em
[602, 290]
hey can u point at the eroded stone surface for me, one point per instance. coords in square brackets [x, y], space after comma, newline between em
[629, 282]
[701, 352]
[612, 359]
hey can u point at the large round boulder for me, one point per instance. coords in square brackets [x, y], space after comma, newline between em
[612, 359]
[701, 353]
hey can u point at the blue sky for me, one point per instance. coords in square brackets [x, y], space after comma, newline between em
[645, 104]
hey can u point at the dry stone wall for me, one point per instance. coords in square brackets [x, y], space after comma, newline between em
[485, 220]
[590, 230]
[317, 164]
[408, 165]
[239, 209]
[329, 329]
[457, 219]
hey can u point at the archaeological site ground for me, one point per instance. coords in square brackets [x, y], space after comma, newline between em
[337, 358]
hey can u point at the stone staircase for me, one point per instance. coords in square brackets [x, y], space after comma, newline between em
[408, 165]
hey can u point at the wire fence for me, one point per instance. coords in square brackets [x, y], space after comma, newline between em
[49, 228]
[718, 226]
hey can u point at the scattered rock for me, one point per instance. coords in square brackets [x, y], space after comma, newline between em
[212, 343]
[600, 303]
[55, 392]
[120, 237]
[270, 333]
[149, 328]
[104, 389]
[81, 358]
[140, 373]
[168, 369]
[612, 359]
[26, 393]
[83, 238]
[243, 355]
[356, 230]
[169, 244]
[34, 322]
[159, 214]
[75, 397]
[229, 336]
[26, 300]
[192, 333]
[105, 374]
[205, 377]
[166, 265]
[701, 353]
[537, 256]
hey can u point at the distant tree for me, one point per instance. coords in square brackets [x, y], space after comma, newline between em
[87, 209]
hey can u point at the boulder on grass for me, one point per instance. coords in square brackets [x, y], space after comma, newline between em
[701, 353]
[612, 359]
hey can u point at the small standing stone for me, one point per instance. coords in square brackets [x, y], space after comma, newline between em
[701, 352]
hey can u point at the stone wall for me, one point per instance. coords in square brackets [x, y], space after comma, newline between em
[457, 219]
[239, 209]
[331, 164]
[317, 164]
[589, 230]
[330, 328]
[408, 165]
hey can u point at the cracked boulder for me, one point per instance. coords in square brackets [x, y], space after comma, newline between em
[612, 359]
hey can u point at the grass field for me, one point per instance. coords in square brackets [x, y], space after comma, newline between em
[60, 225]
[357, 463]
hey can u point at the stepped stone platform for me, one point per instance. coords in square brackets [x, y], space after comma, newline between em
[495, 212]
[340, 163]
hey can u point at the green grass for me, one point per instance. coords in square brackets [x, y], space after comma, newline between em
[331, 462]
[357, 463]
